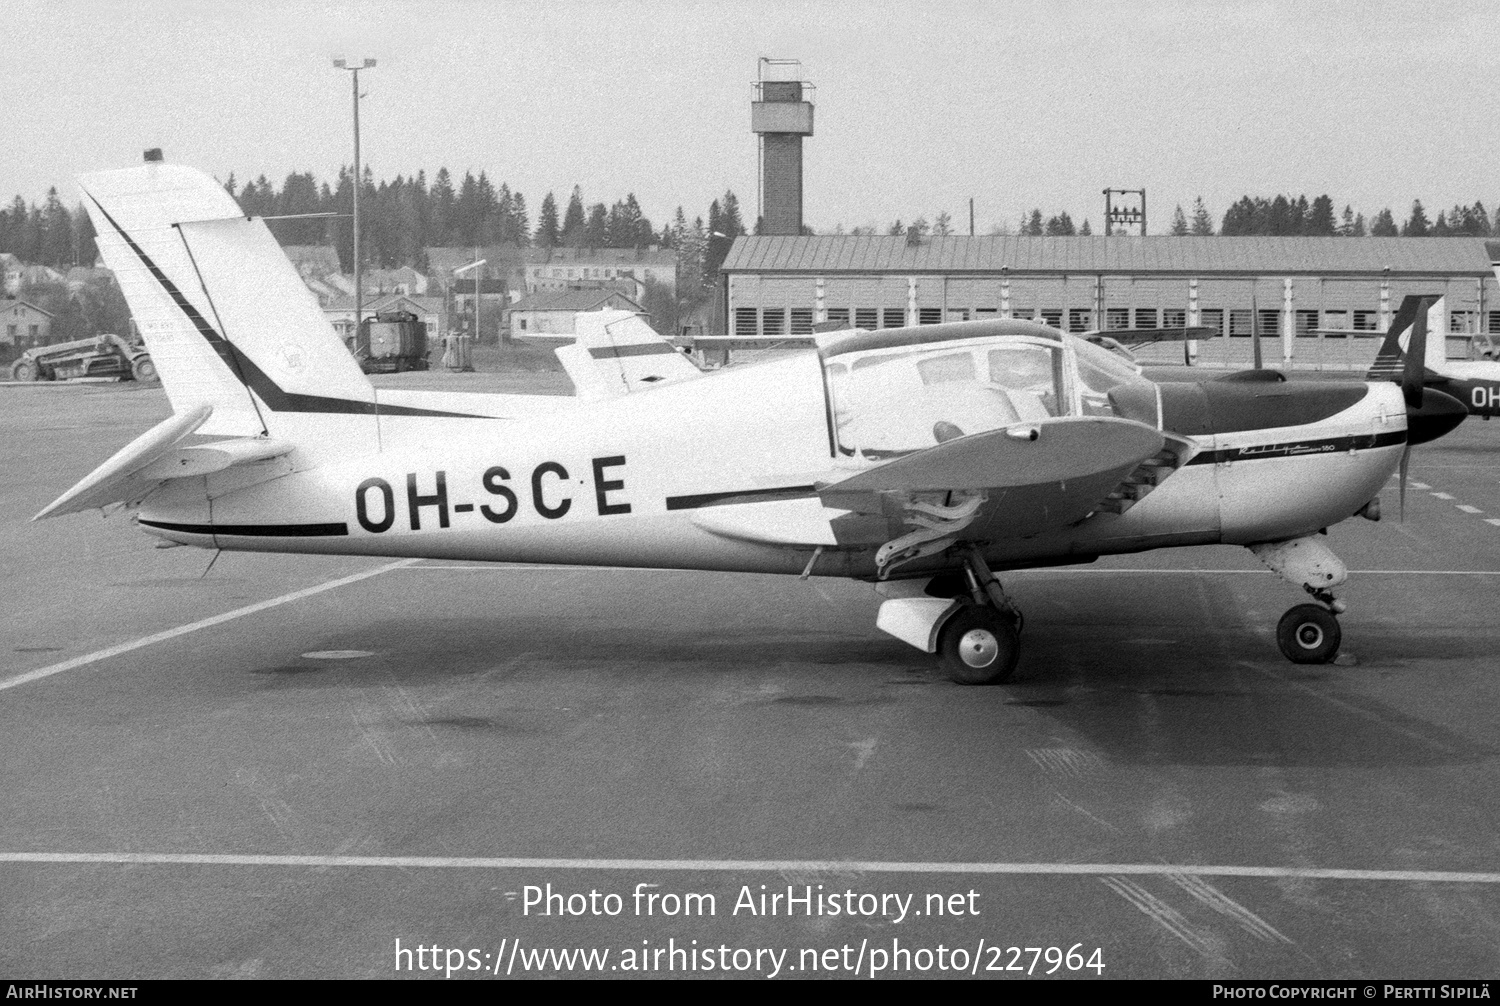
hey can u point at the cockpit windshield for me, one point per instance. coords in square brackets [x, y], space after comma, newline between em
[888, 398]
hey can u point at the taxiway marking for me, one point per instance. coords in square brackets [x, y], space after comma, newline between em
[182, 630]
[1045, 571]
[753, 865]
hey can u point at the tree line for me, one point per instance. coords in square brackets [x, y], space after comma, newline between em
[402, 216]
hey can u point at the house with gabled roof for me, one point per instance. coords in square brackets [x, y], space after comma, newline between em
[549, 318]
[23, 325]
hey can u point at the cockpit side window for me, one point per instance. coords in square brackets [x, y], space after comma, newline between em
[1099, 370]
[1031, 375]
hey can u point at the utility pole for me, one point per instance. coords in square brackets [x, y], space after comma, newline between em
[358, 272]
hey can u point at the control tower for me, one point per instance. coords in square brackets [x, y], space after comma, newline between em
[781, 116]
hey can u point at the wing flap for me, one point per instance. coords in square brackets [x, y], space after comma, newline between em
[1007, 483]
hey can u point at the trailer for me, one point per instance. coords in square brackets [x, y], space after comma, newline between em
[105, 355]
[390, 342]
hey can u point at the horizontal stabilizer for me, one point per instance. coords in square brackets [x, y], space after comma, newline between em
[154, 457]
[616, 352]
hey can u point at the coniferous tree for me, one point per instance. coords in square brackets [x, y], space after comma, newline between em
[548, 231]
[1179, 222]
[1416, 225]
[1203, 224]
[575, 220]
[1384, 225]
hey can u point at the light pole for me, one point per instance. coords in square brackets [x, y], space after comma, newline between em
[358, 284]
[463, 269]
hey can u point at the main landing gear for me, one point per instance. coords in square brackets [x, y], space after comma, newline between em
[964, 616]
[980, 644]
[1307, 633]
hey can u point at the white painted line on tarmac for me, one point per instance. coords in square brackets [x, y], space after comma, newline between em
[182, 630]
[1267, 572]
[1493, 520]
[751, 866]
[1046, 570]
[1442, 496]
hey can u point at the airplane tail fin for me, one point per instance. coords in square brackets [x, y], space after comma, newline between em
[228, 322]
[616, 352]
[1390, 360]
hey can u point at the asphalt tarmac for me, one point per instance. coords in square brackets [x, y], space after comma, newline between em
[294, 766]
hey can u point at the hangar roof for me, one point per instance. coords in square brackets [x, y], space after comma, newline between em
[1159, 255]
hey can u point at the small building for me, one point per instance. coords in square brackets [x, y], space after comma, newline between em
[23, 325]
[429, 310]
[548, 318]
[10, 275]
[574, 268]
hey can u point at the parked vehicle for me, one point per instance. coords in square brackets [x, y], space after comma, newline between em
[106, 355]
[390, 342]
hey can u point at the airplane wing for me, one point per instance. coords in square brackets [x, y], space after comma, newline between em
[154, 457]
[1012, 482]
[1143, 336]
[616, 352]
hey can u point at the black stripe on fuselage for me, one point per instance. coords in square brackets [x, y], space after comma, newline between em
[739, 496]
[276, 399]
[1300, 448]
[255, 530]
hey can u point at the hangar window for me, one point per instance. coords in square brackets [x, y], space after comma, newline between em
[1214, 318]
[1023, 313]
[1239, 324]
[985, 313]
[744, 321]
[867, 318]
[802, 322]
[1270, 322]
[1080, 319]
[1494, 320]
[929, 315]
[838, 317]
[1306, 322]
[1145, 317]
[1117, 317]
[773, 321]
[1174, 317]
[1364, 321]
[958, 314]
[894, 317]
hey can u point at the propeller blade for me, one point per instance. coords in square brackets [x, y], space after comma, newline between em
[1416, 357]
[1405, 457]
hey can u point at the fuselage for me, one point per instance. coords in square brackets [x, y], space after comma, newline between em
[620, 482]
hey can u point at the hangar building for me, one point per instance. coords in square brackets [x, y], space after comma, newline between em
[776, 288]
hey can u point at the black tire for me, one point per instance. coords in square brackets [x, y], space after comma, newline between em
[1309, 634]
[25, 370]
[142, 369]
[979, 646]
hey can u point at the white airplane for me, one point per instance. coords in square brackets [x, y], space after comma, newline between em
[918, 459]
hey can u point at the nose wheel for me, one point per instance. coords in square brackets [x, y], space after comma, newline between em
[1309, 634]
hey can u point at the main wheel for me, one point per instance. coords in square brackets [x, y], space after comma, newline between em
[1309, 634]
[25, 370]
[143, 369]
[979, 646]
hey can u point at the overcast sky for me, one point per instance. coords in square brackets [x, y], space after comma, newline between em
[919, 105]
